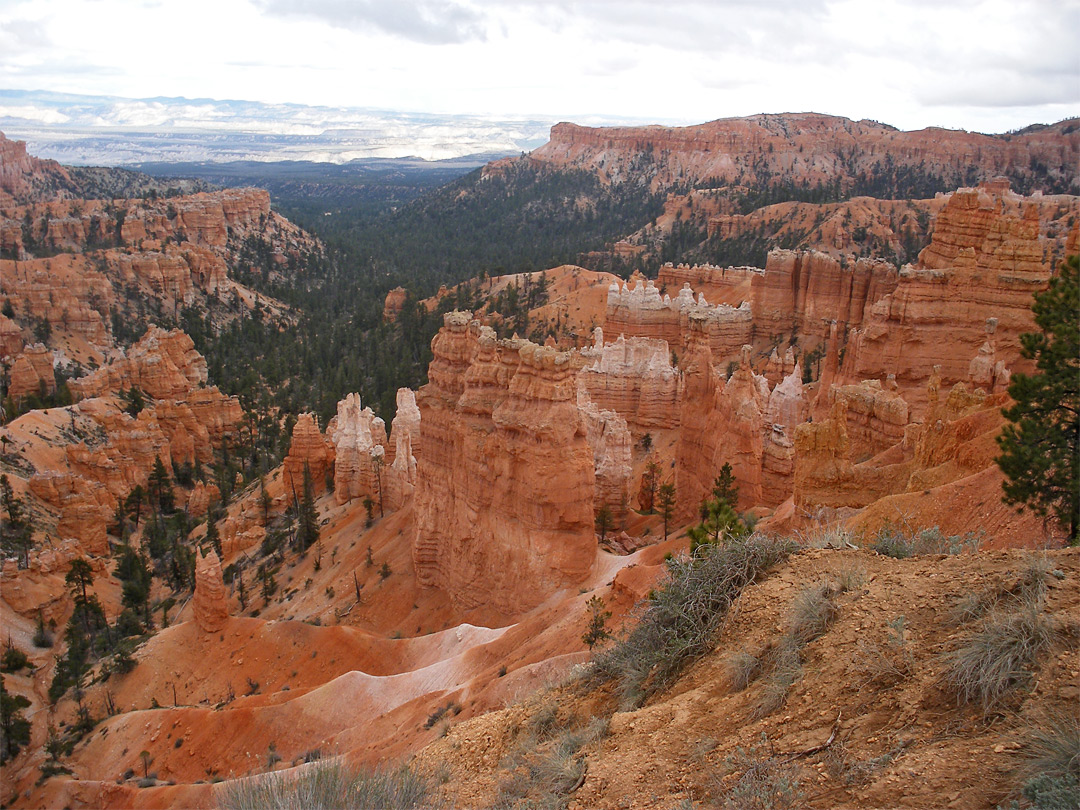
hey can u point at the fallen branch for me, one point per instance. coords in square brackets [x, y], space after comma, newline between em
[581, 779]
[817, 749]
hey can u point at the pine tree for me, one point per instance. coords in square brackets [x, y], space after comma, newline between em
[16, 533]
[1040, 449]
[308, 531]
[14, 728]
[596, 630]
[724, 487]
[213, 537]
[719, 524]
[79, 578]
[666, 502]
[603, 521]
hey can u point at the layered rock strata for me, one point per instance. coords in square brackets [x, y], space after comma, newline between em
[612, 446]
[989, 254]
[803, 292]
[504, 494]
[211, 604]
[163, 365]
[802, 148]
[406, 447]
[633, 377]
[640, 311]
[308, 451]
[32, 373]
[724, 285]
[355, 433]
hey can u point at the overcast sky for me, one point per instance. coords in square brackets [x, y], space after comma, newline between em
[986, 65]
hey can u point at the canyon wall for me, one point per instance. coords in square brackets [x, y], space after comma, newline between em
[633, 377]
[970, 294]
[504, 494]
[640, 311]
[807, 149]
[722, 285]
[803, 292]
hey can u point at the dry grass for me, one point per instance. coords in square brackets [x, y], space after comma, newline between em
[999, 656]
[1028, 588]
[742, 669]
[888, 663]
[784, 671]
[757, 780]
[681, 620]
[811, 612]
[546, 765]
[329, 785]
[1053, 749]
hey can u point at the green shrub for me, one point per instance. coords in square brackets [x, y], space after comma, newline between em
[13, 660]
[1046, 792]
[328, 785]
[680, 621]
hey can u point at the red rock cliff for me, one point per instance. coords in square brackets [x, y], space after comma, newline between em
[991, 250]
[504, 493]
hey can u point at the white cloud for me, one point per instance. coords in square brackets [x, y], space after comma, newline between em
[913, 63]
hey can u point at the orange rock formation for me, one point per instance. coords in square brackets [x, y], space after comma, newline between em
[990, 252]
[634, 378]
[32, 373]
[799, 147]
[310, 451]
[211, 607]
[395, 300]
[163, 365]
[359, 440]
[504, 498]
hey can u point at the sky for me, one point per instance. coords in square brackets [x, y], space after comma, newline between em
[981, 65]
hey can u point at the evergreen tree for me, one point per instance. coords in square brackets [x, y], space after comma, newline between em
[720, 523]
[78, 579]
[161, 488]
[1040, 449]
[308, 531]
[16, 533]
[14, 728]
[213, 537]
[666, 502]
[603, 521]
[133, 503]
[724, 487]
[596, 630]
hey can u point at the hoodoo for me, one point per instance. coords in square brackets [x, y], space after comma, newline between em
[504, 498]
[211, 605]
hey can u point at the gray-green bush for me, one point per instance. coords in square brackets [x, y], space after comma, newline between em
[680, 621]
[329, 785]
[892, 542]
[1050, 770]
[999, 656]
[764, 782]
